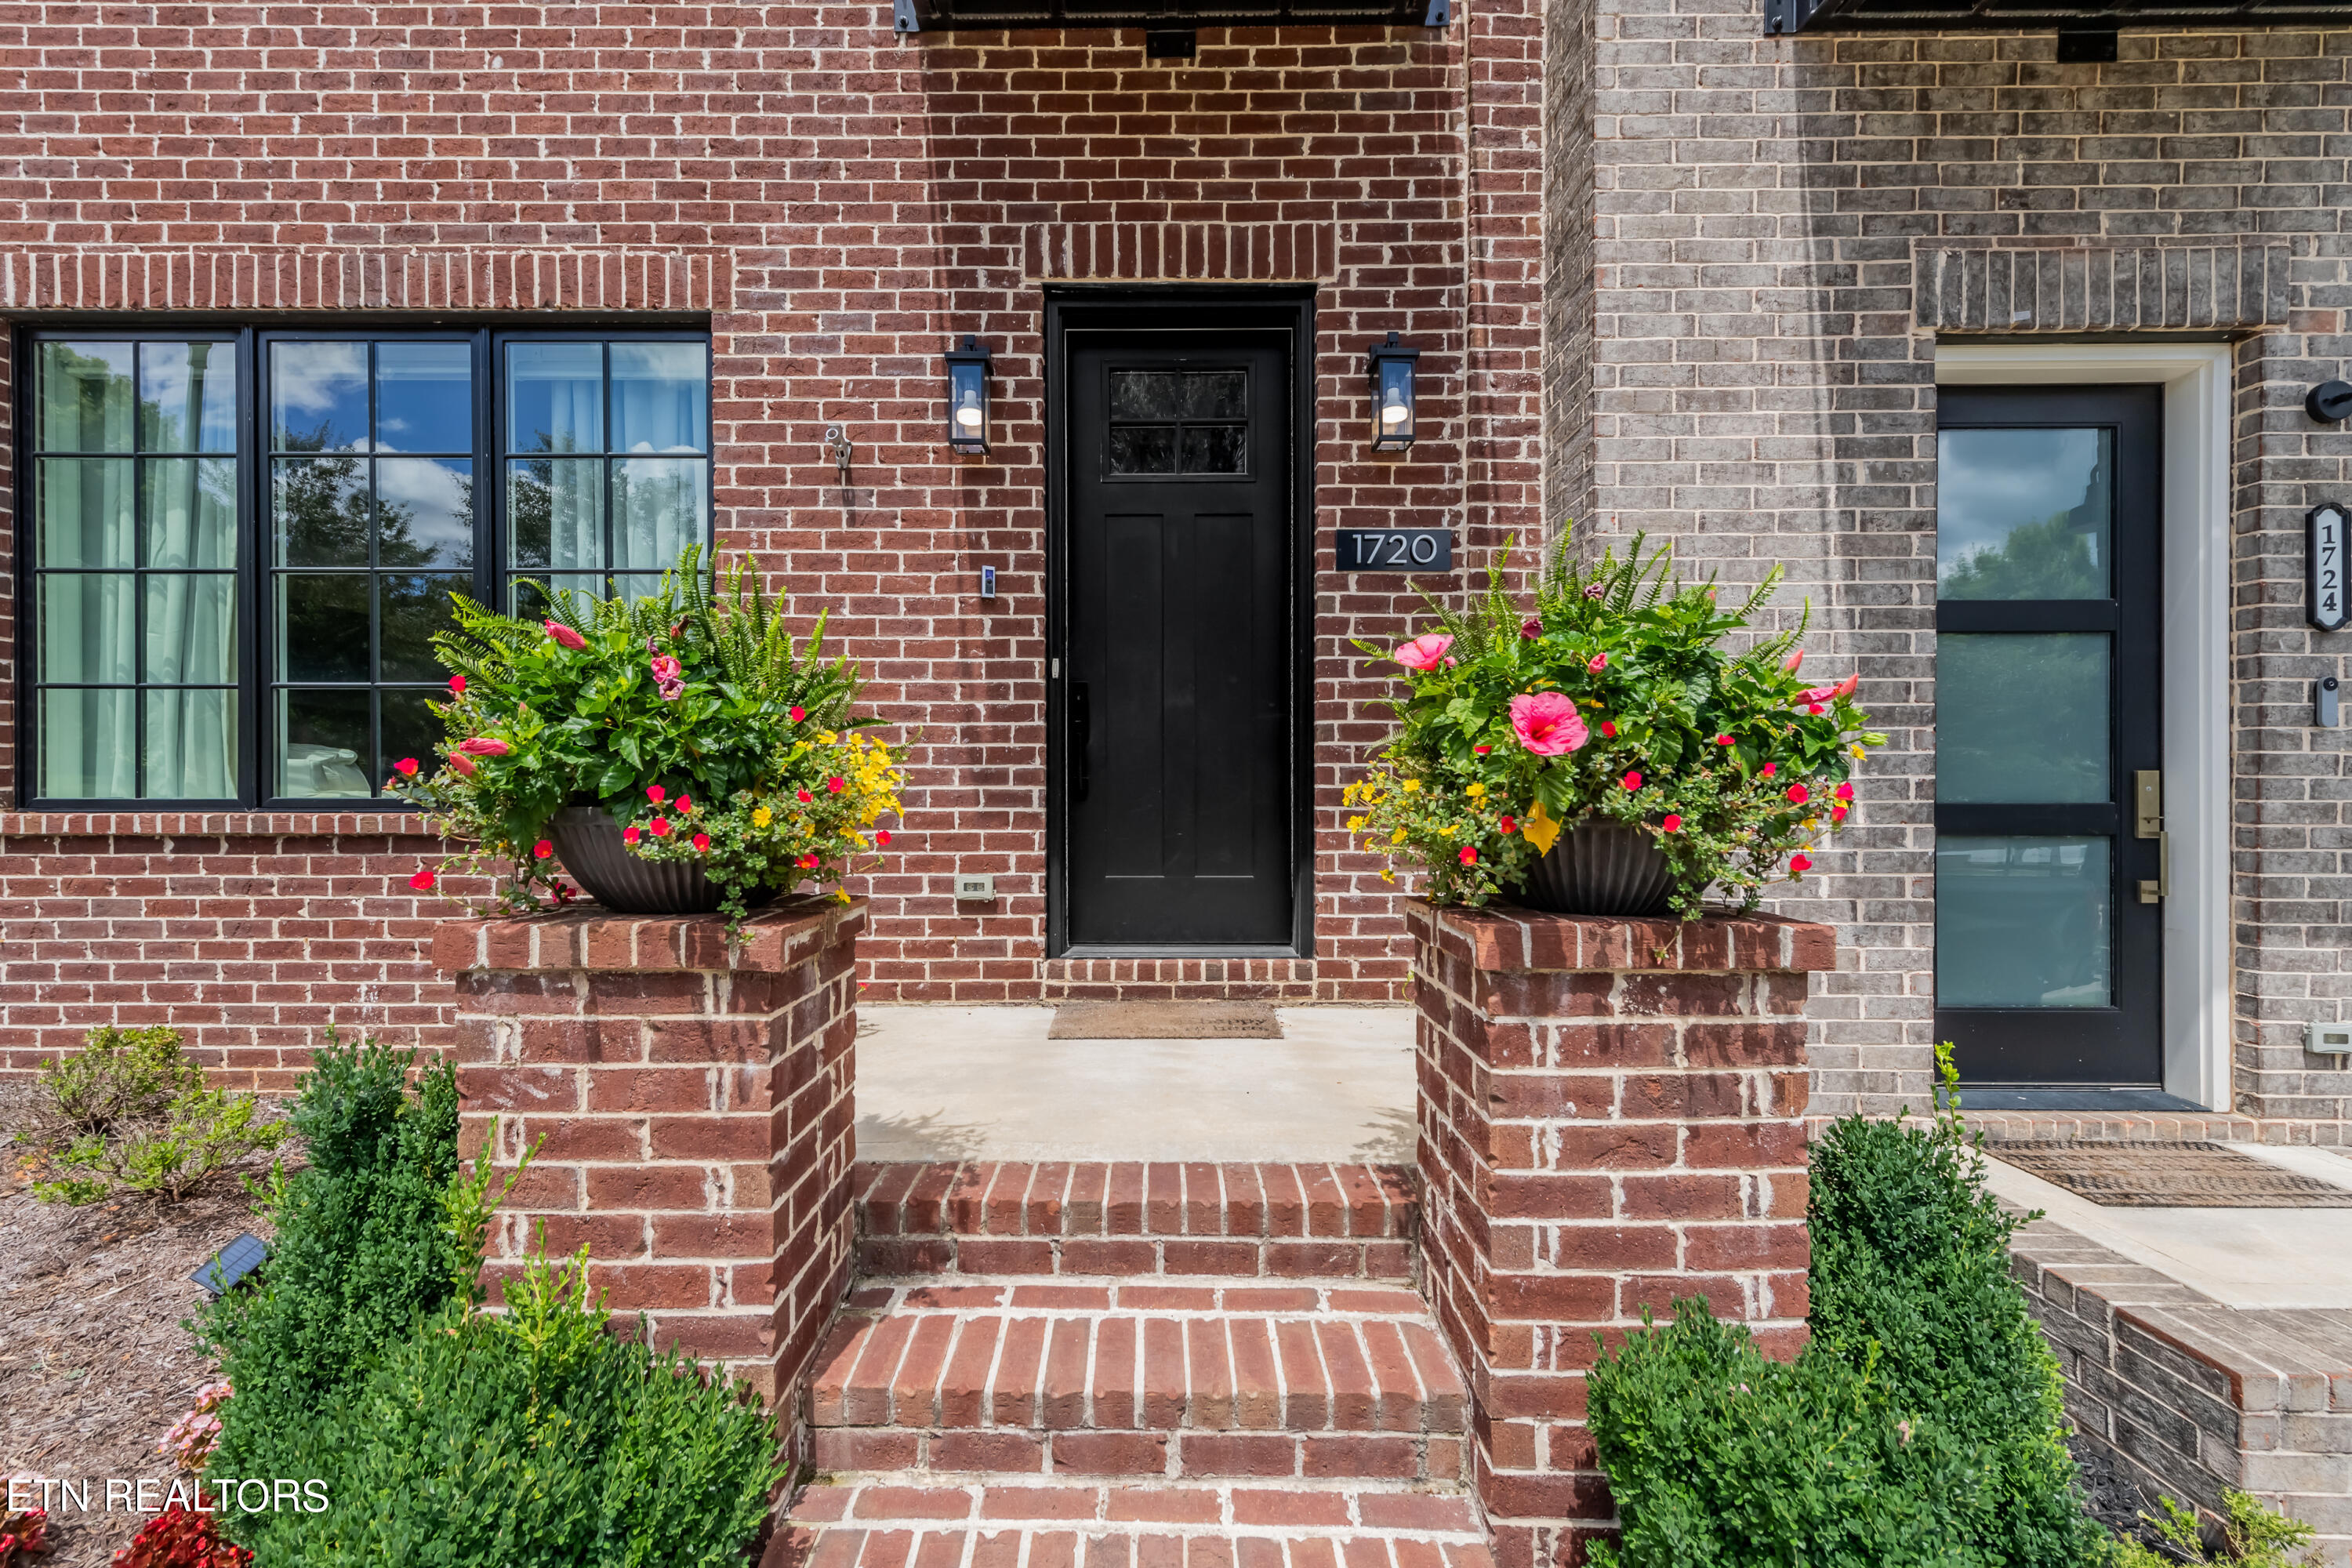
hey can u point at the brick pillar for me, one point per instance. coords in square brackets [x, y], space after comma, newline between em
[1612, 1115]
[692, 1104]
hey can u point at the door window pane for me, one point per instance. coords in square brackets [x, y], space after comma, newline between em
[191, 748]
[2021, 717]
[319, 511]
[190, 504]
[89, 628]
[1184, 440]
[88, 744]
[191, 627]
[2024, 922]
[323, 746]
[84, 507]
[661, 398]
[2025, 514]
[659, 507]
[555, 397]
[425, 511]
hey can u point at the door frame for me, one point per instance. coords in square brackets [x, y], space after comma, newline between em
[2198, 979]
[1164, 307]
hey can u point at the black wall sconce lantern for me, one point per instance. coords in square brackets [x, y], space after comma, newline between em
[1389, 369]
[968, 373]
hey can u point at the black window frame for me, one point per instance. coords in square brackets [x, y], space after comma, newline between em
[258, 675]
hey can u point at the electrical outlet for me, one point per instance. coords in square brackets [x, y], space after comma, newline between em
[975, 887]
[2328, 1039]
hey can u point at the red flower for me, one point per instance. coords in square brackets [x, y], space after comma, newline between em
[1723, 741]
[1800, 864]
[658, 828]
[1769, 769]
[1425, 652]
[483, 746]
[630, 836]
[1469, 857]
[1799, 794]
[1632, 780]
[405, 767]
[1794, 660]
[1843, 792]
[1609, 729]
[655, 793]
[799, 714]
[808, 862]
[1508, 825]
[685, 804]
[701, 841]
[458, 685]
[543, 848]
[1673, 823]
[1531, 629]
[804, 794]
[1837, 814]
[422, 881]
[1597, 663]
[664, 668]
[462, 763]
[882, 836]
[564, 634]
[1482, 751]
[836, 786]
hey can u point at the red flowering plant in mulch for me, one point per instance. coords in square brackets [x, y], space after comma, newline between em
[1612, 697]
[691, 714]
[177, 1537]
[23, 1535]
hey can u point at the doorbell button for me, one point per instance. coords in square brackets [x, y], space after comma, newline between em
[2330, 708]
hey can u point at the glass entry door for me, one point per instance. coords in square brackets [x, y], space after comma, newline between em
[2048, 921]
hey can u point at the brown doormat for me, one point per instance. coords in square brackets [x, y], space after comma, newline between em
[1165, 1021]
[2170, 1175]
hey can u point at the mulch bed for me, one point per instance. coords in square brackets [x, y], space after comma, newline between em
[2170, 1175]
[94, 1365]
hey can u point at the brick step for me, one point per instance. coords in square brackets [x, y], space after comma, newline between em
[902, 1523]
[1312, 1379]
[1267, 1221]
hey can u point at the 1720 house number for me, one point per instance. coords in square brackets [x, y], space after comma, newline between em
[1395, 550]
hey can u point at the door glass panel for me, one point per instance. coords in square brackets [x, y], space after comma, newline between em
[1216, 449]
[661, 398]
[2022, 716]
[90, 743]
[424, 397]
[191, 509]
[317, 397]
[191, 744]
[1143, 449]
[2025, 514]
[187, 398]
[425, 511]
[86, 398]
[2024, 922]
[659, 507]
[190, 628]
[555, 397]
[324, 749]
[85, 512]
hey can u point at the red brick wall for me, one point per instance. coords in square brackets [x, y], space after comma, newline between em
[838, 203]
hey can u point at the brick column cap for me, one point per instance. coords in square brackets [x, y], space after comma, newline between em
[596, 939]
[1507, 938]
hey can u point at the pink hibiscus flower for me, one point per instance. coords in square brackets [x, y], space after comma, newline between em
[1425, 652]
[1547, 723]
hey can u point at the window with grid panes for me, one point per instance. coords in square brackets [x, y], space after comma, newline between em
[242, 541]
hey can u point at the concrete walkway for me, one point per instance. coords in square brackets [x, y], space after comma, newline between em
[984, 1083]
[2239, 1258]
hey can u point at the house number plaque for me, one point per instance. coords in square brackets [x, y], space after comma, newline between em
[2325, 605]
[1395, 550]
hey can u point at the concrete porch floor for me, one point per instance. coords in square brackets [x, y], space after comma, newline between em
[2284, 1257]
[984, 1083]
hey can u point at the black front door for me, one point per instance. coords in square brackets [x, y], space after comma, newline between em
[1175, 760]
[2048, 669]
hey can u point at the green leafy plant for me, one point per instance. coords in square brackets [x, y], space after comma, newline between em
[130, 1113]
[1612, 698]
[1911, 1263]
[1717, 1456]
[691, 714]
[531, 1438]
[2247, 1535]
[361, 1253]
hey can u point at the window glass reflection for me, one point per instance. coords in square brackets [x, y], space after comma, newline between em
[2025, 514]
[2024, 922]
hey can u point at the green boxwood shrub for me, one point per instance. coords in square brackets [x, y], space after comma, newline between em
[1923, 1425]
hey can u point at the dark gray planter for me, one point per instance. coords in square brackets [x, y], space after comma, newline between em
[588, 841]
[1600, 868]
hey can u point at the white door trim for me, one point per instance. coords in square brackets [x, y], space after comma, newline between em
[2196, 381]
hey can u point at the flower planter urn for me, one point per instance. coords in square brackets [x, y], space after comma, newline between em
[588, 841]
[1600, 868]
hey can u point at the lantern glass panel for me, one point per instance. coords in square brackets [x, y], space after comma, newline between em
[968, 406]
[1392, 409]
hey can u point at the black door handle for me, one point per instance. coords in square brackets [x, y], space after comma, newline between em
[1080, 729]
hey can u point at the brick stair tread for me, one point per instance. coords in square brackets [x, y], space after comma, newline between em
[892, 1522]
[1126, 1357]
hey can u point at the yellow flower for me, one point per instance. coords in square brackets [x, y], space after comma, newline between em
[761, 817]
[1812, 823]
[1858, 755]
[1445, 830]
[1398, 837]
[1413, 786]
[1354, 825]
[1476, 790]
[1539, 828]
[1388, 876]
